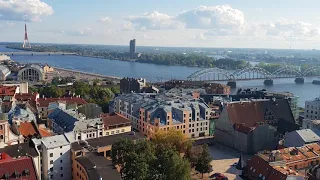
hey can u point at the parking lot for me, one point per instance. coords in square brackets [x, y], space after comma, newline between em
[223, 158]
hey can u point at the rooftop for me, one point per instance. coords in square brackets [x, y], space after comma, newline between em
[308, 135]
[55, 141]
[44, 102]
[114, 119]
[98, 166]
[18, 150]
[20, 168]
[8, 90]
[106, 140]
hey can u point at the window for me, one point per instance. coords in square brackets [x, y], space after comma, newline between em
[61, 168]
[51, 176]
[100, 133]
[61, 175]
[51, 154]
[117, 131]
[60, 154]
[61, 161]
[107, 133]
[51, 161]
[189, 125]
[122, 130]
[60, 147]
[112, 132]
[51, 169]
[184, 115]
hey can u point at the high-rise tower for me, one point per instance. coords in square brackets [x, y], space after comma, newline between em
[132, 46]
[26, 43]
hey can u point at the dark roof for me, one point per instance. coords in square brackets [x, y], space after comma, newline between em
[20, 165]
[76, 146]
[63, 119]
[98, 166]
[106, 141]
[114, 119]
[18, 150]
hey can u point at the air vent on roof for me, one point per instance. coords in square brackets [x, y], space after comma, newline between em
[27, 172]
[16, 174]
[7, 176]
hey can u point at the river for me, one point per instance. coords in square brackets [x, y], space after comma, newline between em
[152, 72]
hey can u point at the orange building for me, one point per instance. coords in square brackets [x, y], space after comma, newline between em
[91, 158]
[282, 163]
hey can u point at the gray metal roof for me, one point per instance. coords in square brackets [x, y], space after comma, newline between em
[55, 141]
[4, 70]
[308, 135]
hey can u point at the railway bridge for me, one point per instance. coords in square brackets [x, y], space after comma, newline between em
[252, 73]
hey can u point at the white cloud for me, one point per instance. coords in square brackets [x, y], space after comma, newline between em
[154, 21]
[105, 20]
[213, 17]
[127, 26]
[18, 9]
[289, 29]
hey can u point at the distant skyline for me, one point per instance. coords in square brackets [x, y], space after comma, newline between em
[178, 23]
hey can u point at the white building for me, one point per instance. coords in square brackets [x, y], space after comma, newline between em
[312, 109]
[56, 159]
[4, 57]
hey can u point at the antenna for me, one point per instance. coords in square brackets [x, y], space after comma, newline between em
[26, 43]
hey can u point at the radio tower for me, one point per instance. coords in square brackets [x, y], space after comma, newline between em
[26, 43]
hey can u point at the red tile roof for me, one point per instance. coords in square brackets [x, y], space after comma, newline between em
[44, 102]
[238, 113]
[29, 128]
[26, 96]
[20, 165]
[8, 90]
[26, 129]
[44, 133]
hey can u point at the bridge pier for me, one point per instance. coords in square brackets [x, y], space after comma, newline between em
[232, 84]
[299, 80]
[268, 82]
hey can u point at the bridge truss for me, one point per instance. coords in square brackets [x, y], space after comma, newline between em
[216, 74]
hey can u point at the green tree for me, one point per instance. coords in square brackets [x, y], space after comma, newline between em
[136, 167]
[120, 149]
[203, 162]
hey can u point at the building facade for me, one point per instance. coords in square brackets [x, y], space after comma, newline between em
[56, 157]
[4, 72]
[32, 73]
[243, 124]
[129, 85]
[132, 46]
[90, 110]
[312, 109]
[163, 112]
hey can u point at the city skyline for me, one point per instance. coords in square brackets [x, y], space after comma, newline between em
[180, 23]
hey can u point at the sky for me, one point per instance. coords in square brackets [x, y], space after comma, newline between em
[178, 23]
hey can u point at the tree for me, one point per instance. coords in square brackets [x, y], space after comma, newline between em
[174, 138]
[119, 150]
[193, 154]
[136, 167]
[203, 162]
[169, 165]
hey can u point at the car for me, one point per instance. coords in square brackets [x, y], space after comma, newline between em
[234, 164]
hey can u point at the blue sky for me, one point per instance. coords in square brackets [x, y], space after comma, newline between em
[195, 23]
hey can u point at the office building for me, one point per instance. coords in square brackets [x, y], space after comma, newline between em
[129, 85]
[132, 46]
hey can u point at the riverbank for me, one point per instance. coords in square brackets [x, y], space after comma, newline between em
[157, 58]
[79, 75]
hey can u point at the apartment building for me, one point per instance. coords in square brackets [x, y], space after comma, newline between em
[312, 109]
[152, 112]
[56, 159]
